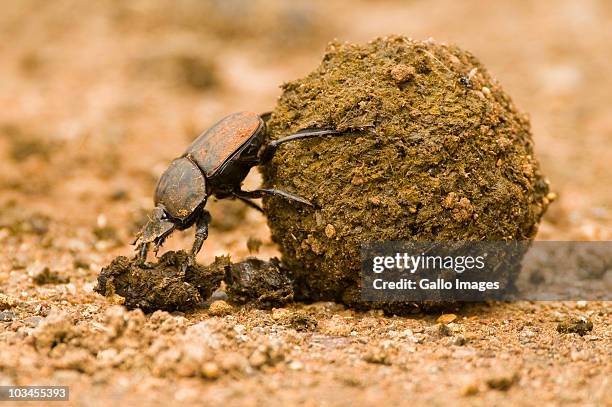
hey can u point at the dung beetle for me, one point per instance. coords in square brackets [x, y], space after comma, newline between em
[215, 164]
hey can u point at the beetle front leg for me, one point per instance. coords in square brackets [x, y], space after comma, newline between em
[200, 236]
[141, 254]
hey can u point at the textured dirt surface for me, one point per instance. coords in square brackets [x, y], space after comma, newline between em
[97, 97]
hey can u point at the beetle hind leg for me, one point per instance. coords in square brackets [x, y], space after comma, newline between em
[249, 202]
[259, 193]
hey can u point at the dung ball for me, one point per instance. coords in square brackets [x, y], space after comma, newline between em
[433, 149]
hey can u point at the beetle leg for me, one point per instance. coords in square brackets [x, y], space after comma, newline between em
[200, 236]
[265, 116]
[141, 255]
[271, 148]
[248, 202]
[259, 193]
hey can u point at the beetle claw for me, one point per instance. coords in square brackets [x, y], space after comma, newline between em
[189, 262]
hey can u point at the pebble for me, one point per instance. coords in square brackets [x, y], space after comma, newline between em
[211, 370]
[279, 313]
[7, 302]
[330, 231]
[296, 365]
[459, 340]
[219, 295]
[502, 382]
[470, 389]
[33, 321]
[220, 308]
[258, 358]
[7, 316]
[402, 73]
[446, 318]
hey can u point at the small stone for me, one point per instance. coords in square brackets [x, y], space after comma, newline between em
[296, 365]
[357, 180]
[579, 326]
[210, 370]
[444, 330]
[220, 308]
[459, 340]
[378, 356]
[116, 299]
[56, 328]
[7, 316]
[219, 295]
[46, 276]
[336, 326]
[375, 200]
[7, 302]
[581, 304]
[502, 382]
[234, 363]
[446, 318]
[33, 321]
[279, 313]
[301, 321]
[402, 73]
[330, 231]
[470, 389]
[486, 90]
[258, 358]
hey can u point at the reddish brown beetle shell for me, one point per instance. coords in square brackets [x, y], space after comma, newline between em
[217, 145]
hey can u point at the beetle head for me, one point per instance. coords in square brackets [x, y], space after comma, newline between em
[157, 228]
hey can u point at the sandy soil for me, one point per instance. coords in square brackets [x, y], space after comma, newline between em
[98, 96]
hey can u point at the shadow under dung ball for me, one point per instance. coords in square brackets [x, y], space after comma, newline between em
[434, 150]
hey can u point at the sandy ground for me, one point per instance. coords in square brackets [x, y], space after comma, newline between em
[97, 97]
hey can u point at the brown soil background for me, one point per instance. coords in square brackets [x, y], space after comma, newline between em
[96, 98]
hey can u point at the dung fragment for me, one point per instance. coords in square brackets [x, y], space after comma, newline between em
[300, 321]
[46, 276]
[263, 284]
[574, 325]
[160, 286]
[502, 382]
[164, 285]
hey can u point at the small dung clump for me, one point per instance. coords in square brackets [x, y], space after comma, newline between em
[163, 285]
[46, 276]
[433, 150]
[167, 285]
[263, 284]
[574, 325]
